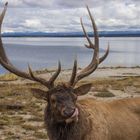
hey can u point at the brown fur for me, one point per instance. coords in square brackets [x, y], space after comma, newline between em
[99, 120]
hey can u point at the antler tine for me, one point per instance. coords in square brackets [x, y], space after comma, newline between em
[49, 83]
[86, 35]
[55, 75]
[105, 55]
[4, 61]
[3, 13]
[74, 71]
[96, 36]
[40, 80]
[2, 52]
[95, 60]
[12, 69]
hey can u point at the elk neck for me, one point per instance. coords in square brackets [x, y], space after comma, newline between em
[62, 130]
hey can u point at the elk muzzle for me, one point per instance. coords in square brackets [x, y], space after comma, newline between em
[71, 114]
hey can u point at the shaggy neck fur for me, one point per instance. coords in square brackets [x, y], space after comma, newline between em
[61, 130]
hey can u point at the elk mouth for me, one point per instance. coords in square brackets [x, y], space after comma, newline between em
[73, 117]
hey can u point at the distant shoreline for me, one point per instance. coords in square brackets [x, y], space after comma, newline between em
[73, 34]
[63, 36]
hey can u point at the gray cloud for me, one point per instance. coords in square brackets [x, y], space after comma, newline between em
[62, 15]
[66, 3]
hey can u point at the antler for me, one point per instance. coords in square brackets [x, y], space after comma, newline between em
[95, 60]
[4, 61]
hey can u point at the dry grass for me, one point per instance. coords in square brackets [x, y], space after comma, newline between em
[8, 77]
[27, 123]
[116, 83]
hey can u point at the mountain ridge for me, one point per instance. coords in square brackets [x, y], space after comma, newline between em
[72, 34]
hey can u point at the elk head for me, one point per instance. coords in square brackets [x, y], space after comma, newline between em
[61, 98]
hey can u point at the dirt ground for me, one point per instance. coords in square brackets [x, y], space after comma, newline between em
[21, 115]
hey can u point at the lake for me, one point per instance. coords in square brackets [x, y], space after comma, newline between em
[45, 52]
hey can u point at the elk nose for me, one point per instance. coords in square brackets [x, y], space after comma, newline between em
[68, 112]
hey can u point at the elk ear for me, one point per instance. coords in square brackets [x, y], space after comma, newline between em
[82, 90]
[39, 94]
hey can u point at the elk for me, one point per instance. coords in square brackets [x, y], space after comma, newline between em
[66, 117]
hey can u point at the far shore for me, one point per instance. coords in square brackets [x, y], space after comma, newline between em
[125, 33]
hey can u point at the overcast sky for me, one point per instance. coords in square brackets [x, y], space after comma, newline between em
[64, 15]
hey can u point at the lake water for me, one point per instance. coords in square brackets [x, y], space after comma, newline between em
[45, 52]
